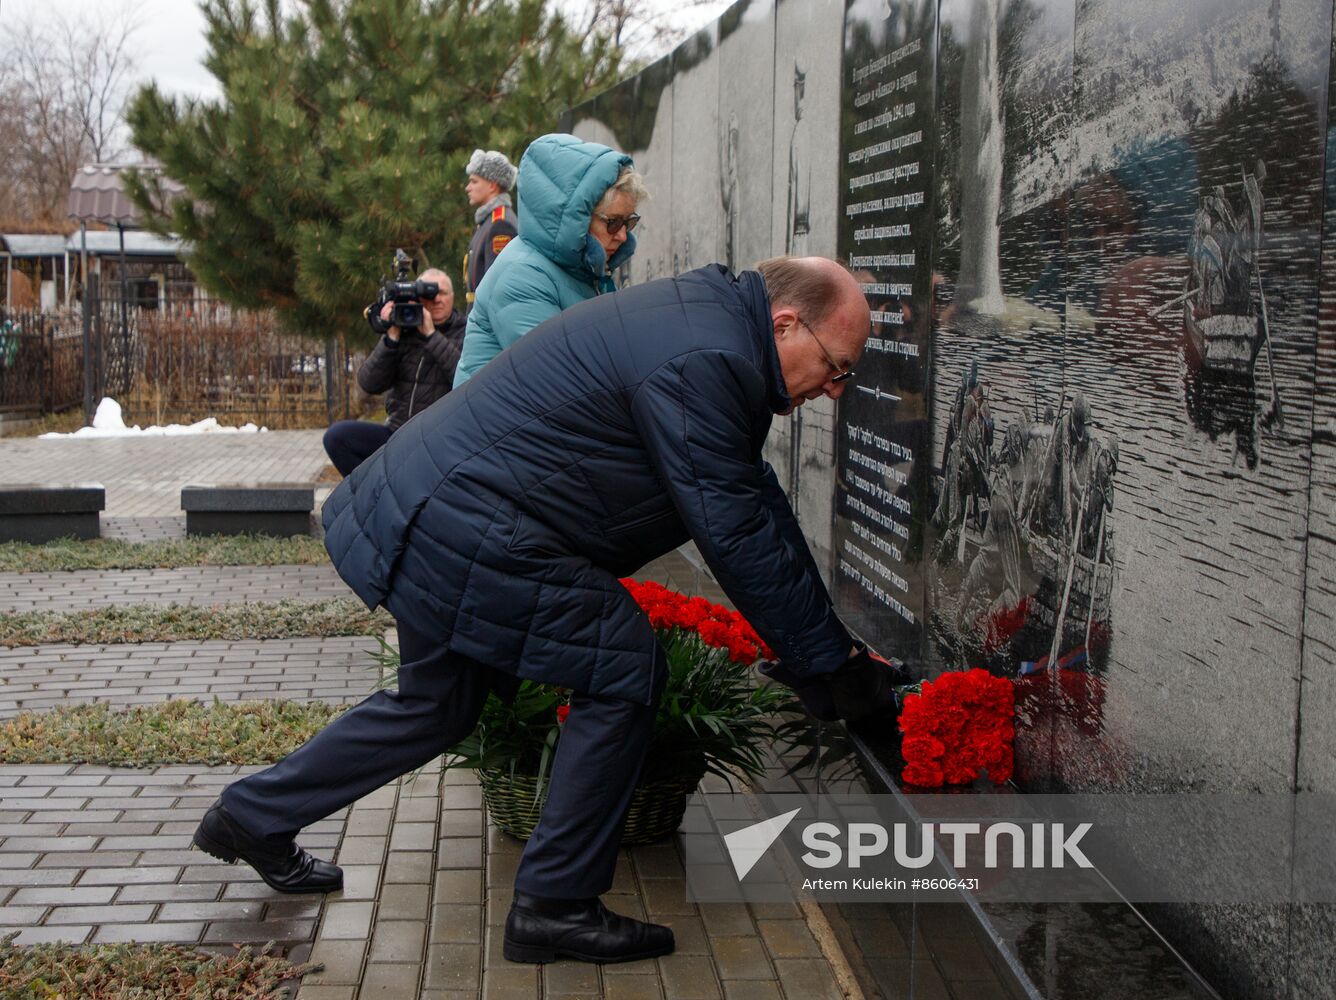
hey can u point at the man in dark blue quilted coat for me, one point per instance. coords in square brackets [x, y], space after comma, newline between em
[494, 526]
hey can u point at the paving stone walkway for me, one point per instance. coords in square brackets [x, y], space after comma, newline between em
[91, 854]
[102, 854]
[434, 931]
[337, 670]
[97, 854]
[144, 476]
[144, 529]
[72, 590]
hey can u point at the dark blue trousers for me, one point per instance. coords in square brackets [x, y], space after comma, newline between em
[349, 443]
[573, 852]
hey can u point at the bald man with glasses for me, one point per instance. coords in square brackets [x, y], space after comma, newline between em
[496, 527]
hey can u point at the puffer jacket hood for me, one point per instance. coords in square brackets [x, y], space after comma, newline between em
[562, 179]
[554, 263]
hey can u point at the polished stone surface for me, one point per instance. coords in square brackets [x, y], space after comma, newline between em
[34, 529]
[245, 497]
[1092, 446]
[282, 524]
[41, 498]
[282, 509]
[36, 513]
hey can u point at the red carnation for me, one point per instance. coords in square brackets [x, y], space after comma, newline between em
[714, 633]
[715, 624]
[957, 727]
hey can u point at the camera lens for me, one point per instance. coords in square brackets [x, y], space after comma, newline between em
[407, 314]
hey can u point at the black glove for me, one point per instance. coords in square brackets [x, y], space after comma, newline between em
[865, 686]
[811, 690]
[860, 688]
[372, 314]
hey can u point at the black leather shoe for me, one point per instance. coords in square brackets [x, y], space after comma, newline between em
[287, 868]
[539, 929]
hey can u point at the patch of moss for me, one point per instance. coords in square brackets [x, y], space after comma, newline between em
[172, 732]
[153, 623]
[115, 553]
[142, 972]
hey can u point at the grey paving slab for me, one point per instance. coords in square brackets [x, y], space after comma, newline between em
[76, 882]
[102, 854]
[335, 670]
[72, 590]
[144, 529]
[144, 476]
[443, 937]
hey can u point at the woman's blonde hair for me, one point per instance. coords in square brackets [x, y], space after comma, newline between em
[630, 182]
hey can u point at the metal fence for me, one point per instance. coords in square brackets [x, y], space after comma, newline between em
[172, 355]
[41, 361]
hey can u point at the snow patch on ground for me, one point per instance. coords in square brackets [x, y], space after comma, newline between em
[108, 422]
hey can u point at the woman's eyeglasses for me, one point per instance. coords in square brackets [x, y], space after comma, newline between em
[614, 223]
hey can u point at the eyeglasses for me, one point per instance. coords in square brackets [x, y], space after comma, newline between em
[841, 374]
[614, 223]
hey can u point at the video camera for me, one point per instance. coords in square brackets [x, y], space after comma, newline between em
[406, 296]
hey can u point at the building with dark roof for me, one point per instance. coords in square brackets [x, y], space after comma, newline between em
[45, 271]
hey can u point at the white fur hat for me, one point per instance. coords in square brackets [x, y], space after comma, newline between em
[491, 165]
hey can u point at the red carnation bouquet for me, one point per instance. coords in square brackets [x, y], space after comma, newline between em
[712, 716]
[956, 728]
[717, 626]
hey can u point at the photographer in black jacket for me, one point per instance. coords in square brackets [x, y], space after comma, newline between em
[413, 367]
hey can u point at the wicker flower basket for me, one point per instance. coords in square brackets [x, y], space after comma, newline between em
[656, 806]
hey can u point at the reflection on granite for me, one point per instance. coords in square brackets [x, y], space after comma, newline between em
[1069, 951]
[695, 169]
[1312, 968]
[803, 219]
[1254, 965]
[1135, 526]
[746, 132]
[926, 952]
[1092, 951]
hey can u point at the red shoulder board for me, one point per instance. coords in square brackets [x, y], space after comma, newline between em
[498, 213]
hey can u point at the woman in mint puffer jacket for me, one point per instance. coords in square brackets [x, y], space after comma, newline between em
[577, 203]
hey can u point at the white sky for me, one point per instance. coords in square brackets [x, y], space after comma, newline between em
[169, 44]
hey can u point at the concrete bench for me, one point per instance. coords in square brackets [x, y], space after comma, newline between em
[38, 512]
[282, 509]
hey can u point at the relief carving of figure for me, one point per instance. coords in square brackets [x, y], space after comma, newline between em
[800, 181]
[728, 191]
[965, 465]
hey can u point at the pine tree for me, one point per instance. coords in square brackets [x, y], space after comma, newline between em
[343, 132]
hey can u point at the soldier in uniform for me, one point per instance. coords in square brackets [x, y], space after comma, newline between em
[491, 177]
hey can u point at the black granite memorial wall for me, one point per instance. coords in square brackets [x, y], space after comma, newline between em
[1090, 446]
